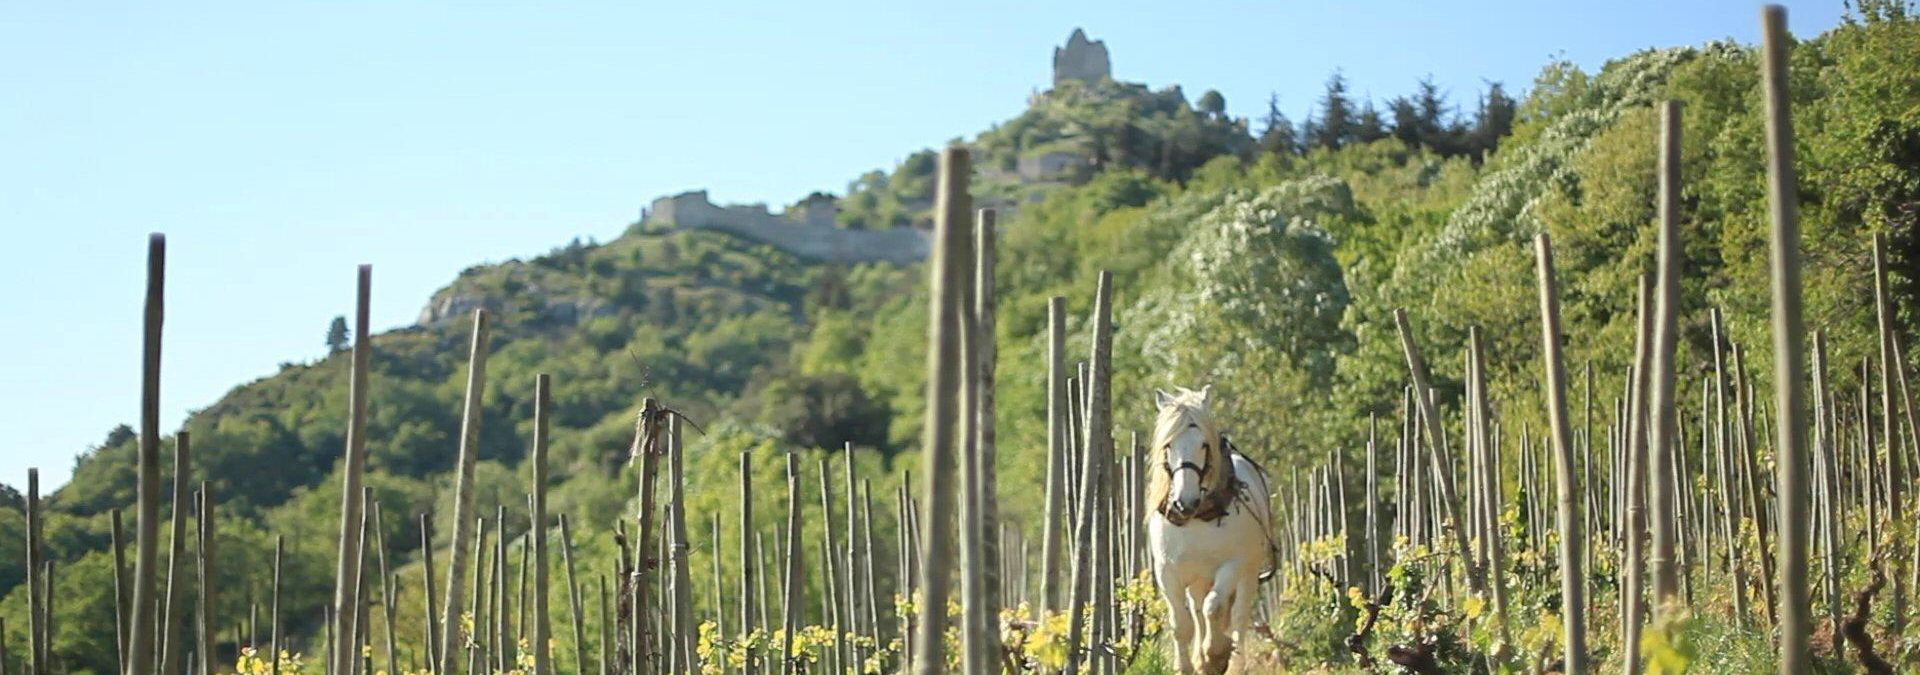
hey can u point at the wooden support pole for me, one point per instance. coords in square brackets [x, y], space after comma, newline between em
[121, 612]
[1442, 461]
[170, 646]
[1572, 573]
[947, 271]
[1051, 547]
[37, 611]
[346, 599]
[1097, 441]
[208, 582]
[1789, 337]
[542, 629]
[1633, 593]
[140, 626]
[447, 645]
[1665, 405]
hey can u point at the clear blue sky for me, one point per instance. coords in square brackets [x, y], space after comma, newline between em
[279, 144]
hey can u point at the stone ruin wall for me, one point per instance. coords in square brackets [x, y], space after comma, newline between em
[814, 235]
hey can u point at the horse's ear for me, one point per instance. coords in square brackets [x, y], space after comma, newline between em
[1162, 399]
[1206, 394]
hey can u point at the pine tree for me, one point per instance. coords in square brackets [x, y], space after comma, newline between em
[1336, 125]
[1278, 137]
[1430, 118]
[337, 334]
[1493, 122]
[1371, 127]
[1406, 121]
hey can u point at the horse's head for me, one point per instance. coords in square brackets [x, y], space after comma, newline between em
[1187, 449]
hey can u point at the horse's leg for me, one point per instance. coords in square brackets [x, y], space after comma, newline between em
[1180, 612]
[1244, 598]
[1219, 608]
[1198, 592]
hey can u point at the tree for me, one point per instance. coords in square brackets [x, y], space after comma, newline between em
[823, 411]
[1370, 128]
[1406, 121]
[1493, 122]
[1336, 125]
[1430, 112]
[1278, 136]
[337, 335]
[1213, 104]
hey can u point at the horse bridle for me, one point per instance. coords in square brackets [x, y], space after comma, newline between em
[1199, 471]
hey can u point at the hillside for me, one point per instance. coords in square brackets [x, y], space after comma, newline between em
[1265, 264]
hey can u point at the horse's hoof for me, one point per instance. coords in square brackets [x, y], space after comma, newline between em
[1217, 662]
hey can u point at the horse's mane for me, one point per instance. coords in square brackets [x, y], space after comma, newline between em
[1189, 408]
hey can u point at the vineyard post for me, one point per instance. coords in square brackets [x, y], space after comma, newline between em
[140, 624]
[387, 583]
[346, 597]
[429, 621]
[204, 612]
[447, 644]
[746, 554]
[1076, 456]
[952, 205]
[645, 438]
[502, 642]
[1660, 499]
[866, 521]
[1572, 576]
[120, 609]
[362, 622]
[1050, 543]
[982, 434]
[1730, 503]
[37, 611]
[1750, 470]
[273, 614]
[719, 584]
[542, 629]
[176, 549]
[1889, 363]
[574, 609]
[1096, 439]
[1373, 504]
[906, 572]
[1829, 480]
[606, 631]
[1913, 442]
[682, 570]
[1591, 499]
[971, 572]
[1789, 337]
[790, 579]
[835, 602]
[478, 638]
[1442, 463]
[851, 593]
[1633, 593]
[1490, 482]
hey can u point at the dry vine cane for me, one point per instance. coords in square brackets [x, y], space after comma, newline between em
[1856, 625]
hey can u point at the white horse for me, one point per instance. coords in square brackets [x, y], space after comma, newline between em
[1208, 532]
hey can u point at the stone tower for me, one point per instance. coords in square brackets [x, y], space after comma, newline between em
[1082, 59]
